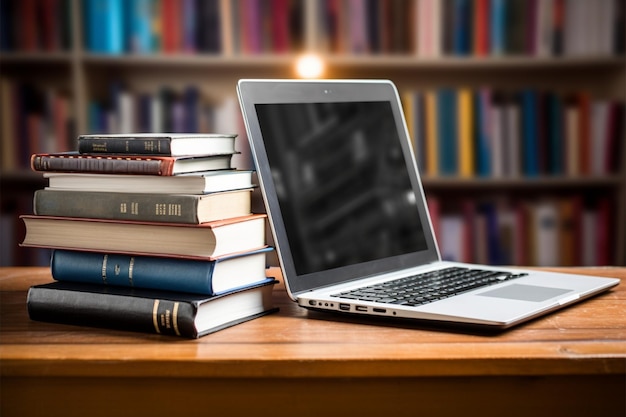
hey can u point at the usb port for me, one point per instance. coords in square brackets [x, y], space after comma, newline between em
[379, 310]
[345, 307]
[361, 308]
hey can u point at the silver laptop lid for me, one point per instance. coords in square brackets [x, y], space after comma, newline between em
[338, 177]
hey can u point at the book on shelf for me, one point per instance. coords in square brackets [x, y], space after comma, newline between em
[211, 277]
[131, 164]
[202, 241]
[145, 310]
[104, 26]
[561, 231]
[194, 183]
[170, 26]
[34, 119]
[154, 207]
[511, 134]
[35, 25]
[164, 144]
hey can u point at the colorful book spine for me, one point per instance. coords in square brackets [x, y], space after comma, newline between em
[498, 27]
[432, 133]
[447, 130]
[466, 133]
[105, 26]
[530, 134]
[481, 128]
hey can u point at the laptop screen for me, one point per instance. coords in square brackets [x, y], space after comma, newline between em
[341, 182]
[338, 177]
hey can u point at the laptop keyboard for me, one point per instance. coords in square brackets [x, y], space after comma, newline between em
[427, 287]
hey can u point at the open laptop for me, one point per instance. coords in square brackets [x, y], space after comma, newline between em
[349, 217]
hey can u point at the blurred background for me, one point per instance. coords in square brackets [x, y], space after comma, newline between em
[515, 107]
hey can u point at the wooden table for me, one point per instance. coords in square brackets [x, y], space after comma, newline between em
[299, 363]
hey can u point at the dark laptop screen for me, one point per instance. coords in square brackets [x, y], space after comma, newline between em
[341, 181]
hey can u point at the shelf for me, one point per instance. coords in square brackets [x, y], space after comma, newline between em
[339, 60]
[365, 60]
[35, 57]
[543, 182]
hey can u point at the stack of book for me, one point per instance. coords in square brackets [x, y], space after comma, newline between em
[149, 232]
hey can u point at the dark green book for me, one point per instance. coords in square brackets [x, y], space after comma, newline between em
[154, 207]
[147, 311]
[164, 144]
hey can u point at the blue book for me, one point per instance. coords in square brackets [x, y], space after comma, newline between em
[462, 27]
[105, 26]
[483, 150]
[191, 104]
[497, 26]
[447, 127]
[138, 15]
[218, 276]
[494, 248]
[93, 117]
[530, 134]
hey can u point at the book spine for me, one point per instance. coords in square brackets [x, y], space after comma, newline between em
[171, 208]
[134, 146]
[114, 311]
[133, 271]
[108, 165]
[465, 134]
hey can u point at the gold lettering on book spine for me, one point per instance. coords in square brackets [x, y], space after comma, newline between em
[174, 210]
[131, 268]
[103, 272]
[160, 209]
[155, 316]
[175, 319]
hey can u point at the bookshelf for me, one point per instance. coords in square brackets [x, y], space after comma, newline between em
[74, 73]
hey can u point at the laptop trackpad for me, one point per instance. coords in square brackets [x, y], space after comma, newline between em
[525, 292]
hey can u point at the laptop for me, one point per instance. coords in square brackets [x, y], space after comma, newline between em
[349, 217]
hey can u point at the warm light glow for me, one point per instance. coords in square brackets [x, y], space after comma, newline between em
[310, 66]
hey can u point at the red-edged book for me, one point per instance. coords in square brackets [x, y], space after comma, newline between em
[174, 240]
[135, 164]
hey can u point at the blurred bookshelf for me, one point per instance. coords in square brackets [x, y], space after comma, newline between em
[74, 66]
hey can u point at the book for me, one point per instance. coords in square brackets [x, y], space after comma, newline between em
[164, 144]
[105, 26]
[144, 310]
[482, 125]
[203, 241]
[140, 165]
[216, 276]
[545, 223]
[447, 132]
[465, 131]
[155, 207]
[432, 133]
[198, 183]
[530, 142]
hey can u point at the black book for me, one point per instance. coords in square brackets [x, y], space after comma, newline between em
[148, 311]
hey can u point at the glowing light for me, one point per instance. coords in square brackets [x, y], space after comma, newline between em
[310, 66]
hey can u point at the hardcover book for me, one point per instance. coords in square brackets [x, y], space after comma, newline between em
[222, 274]
[165, 144]
[136, 164]
[155, 207]
[149, 311]
[203, 241]
[194, 183]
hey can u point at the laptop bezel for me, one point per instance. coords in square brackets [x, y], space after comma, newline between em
[252, 92]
